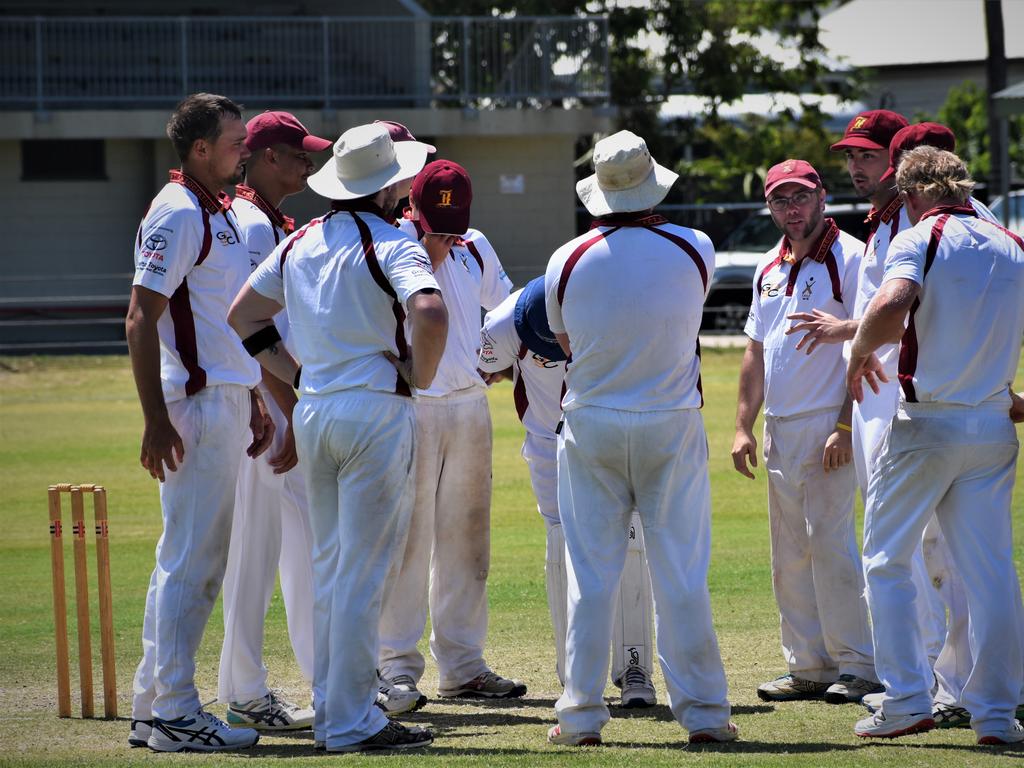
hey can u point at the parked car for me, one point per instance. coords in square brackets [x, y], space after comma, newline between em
[728, 302]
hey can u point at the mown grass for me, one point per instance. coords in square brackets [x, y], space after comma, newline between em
[76, 419]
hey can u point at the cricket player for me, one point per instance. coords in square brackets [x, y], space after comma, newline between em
[197, 389]
[271, 530]
[348, 279]
[816, 565]
[517, 342]
[953, 295]
[938, 586]
[447, 553]
[632, 436]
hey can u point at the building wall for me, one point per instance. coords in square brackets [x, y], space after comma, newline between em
[76, 234]
[911, 90]
[220, 8]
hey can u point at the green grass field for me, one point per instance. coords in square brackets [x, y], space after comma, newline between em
[77, 420]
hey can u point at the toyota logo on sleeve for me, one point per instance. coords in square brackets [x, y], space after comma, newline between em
[156, 242]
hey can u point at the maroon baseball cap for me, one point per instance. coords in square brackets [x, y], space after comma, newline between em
[272, 128]
[873, 129]
[442, 193]
[400, 133]
[795, 171]
[918, 135]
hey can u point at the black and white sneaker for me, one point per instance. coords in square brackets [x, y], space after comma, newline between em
[394, 735]
[637, 688]
[398, 696]
[199, 732]
[140, 732]
[272, 712]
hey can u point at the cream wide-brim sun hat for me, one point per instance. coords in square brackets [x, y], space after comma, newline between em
[366, 161]
[626, 178]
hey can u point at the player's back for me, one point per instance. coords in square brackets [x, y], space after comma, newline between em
[631, 303]
[963, 341]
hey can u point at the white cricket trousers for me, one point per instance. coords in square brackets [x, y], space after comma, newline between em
[631, 630]
[447, 553]
[936, 582]
[610, 461]
[816, 566]
[196, 503]
[356, 455]
[958, 463]
[270, 532]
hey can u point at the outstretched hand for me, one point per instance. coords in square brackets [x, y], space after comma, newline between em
[864, 368]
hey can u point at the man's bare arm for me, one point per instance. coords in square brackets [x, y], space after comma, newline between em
[883, 323]
[751, 397]
[252, 312]
[161, 443]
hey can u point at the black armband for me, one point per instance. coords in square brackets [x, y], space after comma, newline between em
[261, 340]
[298, 375]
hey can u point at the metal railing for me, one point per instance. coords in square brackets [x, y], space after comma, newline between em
[70, 62]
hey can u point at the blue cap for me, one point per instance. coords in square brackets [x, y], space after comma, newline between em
[531, 320]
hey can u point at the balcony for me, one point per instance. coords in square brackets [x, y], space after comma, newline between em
[49, 63]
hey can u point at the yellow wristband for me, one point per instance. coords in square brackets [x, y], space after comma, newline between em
[844, 427]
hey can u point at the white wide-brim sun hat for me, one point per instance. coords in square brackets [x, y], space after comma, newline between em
[626, 178]
[366, 161]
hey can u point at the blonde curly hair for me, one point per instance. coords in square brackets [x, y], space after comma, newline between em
[934, 174]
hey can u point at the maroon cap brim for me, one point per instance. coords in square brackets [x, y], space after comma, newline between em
[798, 180]
[889, 173]
[313, 143]
[857, 142]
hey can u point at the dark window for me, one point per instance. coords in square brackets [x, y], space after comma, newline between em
[63, 160]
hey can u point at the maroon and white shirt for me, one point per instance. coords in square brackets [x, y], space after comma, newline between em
[825, 279]
[536, 381]
[964, 330]
[345, 279]
[630, 295]
[189, 248]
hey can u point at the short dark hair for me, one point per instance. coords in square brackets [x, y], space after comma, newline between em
[198, 117]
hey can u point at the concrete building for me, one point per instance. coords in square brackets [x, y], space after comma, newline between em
[85, 92]
[915, 51]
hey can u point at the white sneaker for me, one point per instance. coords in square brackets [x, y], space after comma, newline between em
[139, 734]
[199, 732]
[269, 713]
[850, 689]
[637, 688]
[879, 727]
[715, 735]
[399, 695]
[873, 701]
[588, 739]
[1015, 735]
[488, 685]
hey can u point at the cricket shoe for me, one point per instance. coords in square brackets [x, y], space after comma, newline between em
[394, 735]
[879, 727]
[637, 688]
[586, 739]
[1015, 735]
[715, 735]
[948, 716]
[873, 701]
[488, 686]
[399, 695]
[850, 689]
[269, 713]
[139, 734]
[791, 688]
[199, 732]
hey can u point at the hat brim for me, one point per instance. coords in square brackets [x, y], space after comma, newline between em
[803, 182]
[857, 142]
[313, 143]
[410, 157]
[436, 223]
[647, 194]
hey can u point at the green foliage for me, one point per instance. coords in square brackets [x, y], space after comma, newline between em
[966, 114]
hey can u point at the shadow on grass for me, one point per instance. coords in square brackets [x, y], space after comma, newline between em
[662, 713]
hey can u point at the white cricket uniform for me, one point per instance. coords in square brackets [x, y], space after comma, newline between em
[537, 384]
[446, 557]
[190, 250]
[951, 451]
[271, 529]
[936, 582]
[816, 566]
[633, 437]
[345, 279]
